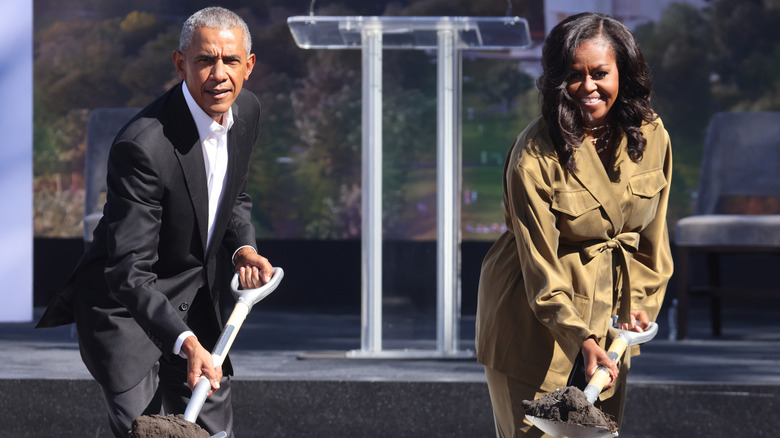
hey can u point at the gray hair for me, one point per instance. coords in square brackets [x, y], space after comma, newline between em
[214, 18]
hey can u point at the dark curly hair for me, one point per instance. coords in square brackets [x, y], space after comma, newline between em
[632, 106]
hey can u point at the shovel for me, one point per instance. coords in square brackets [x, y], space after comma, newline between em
[172, 425]
[622, 339]
[245, 299]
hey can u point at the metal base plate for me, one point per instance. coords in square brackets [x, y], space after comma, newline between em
[558, 429]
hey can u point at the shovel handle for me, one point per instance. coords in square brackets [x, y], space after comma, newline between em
[623, 339]
[601, 376]
[250, 297]
[197, 399]
[245, 299]
[225, 341]
[218, 355]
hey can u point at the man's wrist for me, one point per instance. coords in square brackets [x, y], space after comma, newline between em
[240, 248]
[179, 347]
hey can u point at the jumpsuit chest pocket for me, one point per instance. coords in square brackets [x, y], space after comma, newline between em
[578, 212]
[648, 184]
[574, 203]
[645, 195]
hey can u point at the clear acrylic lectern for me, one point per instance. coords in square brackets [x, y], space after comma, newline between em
[449, 36]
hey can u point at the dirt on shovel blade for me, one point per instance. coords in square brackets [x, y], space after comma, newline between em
[569, 405]
[165, 426]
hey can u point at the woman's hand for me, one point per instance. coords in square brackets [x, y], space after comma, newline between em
[594, 356]
[639, 322]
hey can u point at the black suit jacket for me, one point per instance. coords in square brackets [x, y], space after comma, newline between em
[132, 291]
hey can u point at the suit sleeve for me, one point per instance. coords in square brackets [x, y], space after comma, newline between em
[240, 231]
[133, 216]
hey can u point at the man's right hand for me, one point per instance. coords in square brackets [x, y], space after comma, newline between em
[200, 363]
[253, 269]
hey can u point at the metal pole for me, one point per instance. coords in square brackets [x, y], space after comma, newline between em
[448, 200]
[371, 312]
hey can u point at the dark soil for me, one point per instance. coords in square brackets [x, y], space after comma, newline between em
[568, 405]
[168, 426]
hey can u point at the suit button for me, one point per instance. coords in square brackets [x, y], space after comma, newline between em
[184, 306]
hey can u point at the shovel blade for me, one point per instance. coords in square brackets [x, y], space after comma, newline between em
[559, 429]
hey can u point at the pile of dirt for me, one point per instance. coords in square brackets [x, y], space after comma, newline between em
[569, 405]
[167, 426]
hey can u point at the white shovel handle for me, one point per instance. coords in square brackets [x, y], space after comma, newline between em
[199, 395]
[635, 338]
[623, 339]
[250, 297]
[246, 298]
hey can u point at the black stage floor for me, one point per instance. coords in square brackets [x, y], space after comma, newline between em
[725, 386]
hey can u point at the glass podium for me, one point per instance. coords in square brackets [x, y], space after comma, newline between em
[448, 36]
[418, 33]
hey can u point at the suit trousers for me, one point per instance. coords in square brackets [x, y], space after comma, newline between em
[159, 393]
[164, 389]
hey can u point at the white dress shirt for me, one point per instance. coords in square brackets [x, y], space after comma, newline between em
[213, 139]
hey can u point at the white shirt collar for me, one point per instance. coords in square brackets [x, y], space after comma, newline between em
[205, 124]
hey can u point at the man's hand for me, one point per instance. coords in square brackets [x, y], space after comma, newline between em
[199, 363]
[253, 269]
[594, 356]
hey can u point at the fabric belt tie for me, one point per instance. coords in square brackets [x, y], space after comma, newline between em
[627, 244]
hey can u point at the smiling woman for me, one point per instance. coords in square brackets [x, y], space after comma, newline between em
[586, 188]
[591, 65]
[594, 81]
[593, 85]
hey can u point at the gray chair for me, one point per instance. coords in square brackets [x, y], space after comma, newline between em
[737, 208]
[102, 126]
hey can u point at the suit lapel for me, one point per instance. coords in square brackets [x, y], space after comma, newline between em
[235, 136]
[194, 169]
[188, 150]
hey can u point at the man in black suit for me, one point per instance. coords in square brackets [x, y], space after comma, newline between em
[144, 297]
